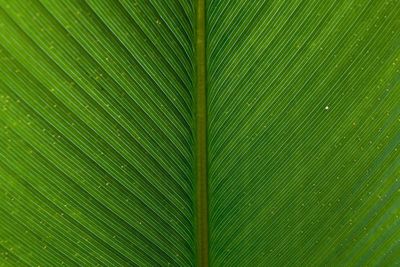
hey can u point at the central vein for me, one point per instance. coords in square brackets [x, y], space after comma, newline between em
[201, 137]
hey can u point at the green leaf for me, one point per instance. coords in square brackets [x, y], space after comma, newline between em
[304, 139]
[199, 132]
[96, 139]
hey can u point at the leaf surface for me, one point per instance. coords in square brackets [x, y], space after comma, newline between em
[96, 133]
[157, 133]
[304, 119]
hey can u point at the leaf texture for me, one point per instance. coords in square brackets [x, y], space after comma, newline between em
[304, 139]
[96, 133]
[99, 136]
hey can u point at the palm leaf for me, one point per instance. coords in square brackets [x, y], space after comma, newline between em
[228, 133]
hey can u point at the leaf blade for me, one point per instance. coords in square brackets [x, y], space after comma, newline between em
[287, 81]
[92, 110]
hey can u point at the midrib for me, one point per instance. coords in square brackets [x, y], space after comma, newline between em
[201, 137]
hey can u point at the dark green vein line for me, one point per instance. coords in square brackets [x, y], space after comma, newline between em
[201, 137]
